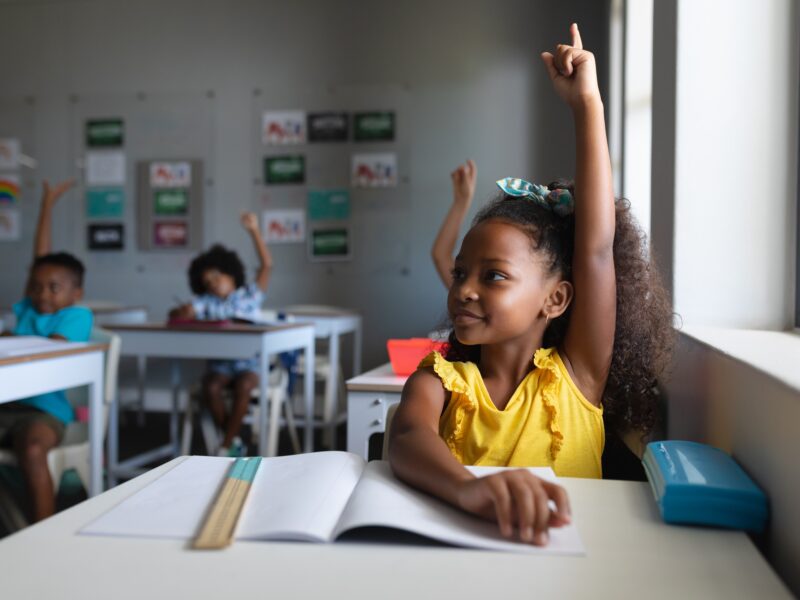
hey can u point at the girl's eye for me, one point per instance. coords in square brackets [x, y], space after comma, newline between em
[495, 276]
[457, 274]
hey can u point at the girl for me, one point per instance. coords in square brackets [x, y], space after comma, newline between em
[217, 279]
[463, 179]
[557, 316]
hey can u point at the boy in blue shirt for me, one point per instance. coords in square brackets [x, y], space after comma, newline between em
[33, 426]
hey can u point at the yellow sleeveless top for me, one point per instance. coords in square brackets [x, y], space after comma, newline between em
[547, 422]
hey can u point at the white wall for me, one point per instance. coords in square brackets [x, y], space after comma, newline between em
[724, 169]
[735, 153]
[474, 84]
[725, 402]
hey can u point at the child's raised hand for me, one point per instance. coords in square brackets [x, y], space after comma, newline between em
[50, 195]
[250, 222]
[517, 497]
[572, 71]
[464, 182]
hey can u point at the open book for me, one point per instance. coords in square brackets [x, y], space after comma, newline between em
[310, 497]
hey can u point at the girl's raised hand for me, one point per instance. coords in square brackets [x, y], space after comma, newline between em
[250, 222]
[464, 182]
[517, 498]
[572, 71]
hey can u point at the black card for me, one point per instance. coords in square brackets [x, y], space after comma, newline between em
[328, 127]
[106, 237]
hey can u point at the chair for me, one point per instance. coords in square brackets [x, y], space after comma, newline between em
[73, 452]
[278, 397]
[331, 399]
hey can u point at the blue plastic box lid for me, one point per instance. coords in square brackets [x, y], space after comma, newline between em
[698, 484]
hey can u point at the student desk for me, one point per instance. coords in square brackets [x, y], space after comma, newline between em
[77, 365]
[630, 554]
[208, 342]
[369, 397]
[113, 314]
[330, 324]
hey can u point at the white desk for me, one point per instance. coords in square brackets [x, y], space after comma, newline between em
[630, 554]
[109, 313]
[60, 369]
[369, 397]
[330, 324]
[205, 342]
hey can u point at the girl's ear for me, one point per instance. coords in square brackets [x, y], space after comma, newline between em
[558, 300]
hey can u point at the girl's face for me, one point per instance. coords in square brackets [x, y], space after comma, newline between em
[500, 286]
[217, 283]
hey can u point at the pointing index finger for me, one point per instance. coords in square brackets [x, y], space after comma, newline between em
[576, 37]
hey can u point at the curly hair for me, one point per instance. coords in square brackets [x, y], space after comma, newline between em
[644, 335]
[65, 261]
[217, 257]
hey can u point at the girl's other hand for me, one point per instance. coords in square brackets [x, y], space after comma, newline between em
[516, 498]
[50, 195]
[572, 71]
[250, 222]
[464, 182]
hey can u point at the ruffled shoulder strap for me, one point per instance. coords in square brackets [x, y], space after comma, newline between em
[450, 373]
[543, 359]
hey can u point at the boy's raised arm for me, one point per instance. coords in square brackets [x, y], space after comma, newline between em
[42, 241]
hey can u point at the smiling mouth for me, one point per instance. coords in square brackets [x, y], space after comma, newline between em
[464, 316]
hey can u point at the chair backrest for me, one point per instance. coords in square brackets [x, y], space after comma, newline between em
[389, 419]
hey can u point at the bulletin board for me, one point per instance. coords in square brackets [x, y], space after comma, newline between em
[372, 235]
[129, 132]
[18, 172]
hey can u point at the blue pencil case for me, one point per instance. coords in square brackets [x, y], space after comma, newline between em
[701, 485]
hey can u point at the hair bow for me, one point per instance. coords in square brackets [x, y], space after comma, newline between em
[558, 200]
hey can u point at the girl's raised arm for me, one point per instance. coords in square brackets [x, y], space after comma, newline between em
[590, 337]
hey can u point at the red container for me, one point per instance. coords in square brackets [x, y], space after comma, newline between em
[406, 354]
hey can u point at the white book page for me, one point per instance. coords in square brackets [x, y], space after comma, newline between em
[293, 497]
[172, 506]
[300, 497]
[21, 345]
[382, 500]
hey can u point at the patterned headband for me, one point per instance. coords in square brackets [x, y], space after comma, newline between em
[558, 200]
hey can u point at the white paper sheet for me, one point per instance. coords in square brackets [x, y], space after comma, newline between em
[9, 153]
[10, 227]
[293, 497]
[21, 345]
[105, 168]
[381, 500]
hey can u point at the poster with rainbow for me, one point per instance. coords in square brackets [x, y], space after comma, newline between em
[9, 189]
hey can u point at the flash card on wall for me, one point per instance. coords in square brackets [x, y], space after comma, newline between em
[106, 236]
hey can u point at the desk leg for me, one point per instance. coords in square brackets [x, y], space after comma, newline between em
[263, 382]
[141, 363]
[113, 441]
[357, 349]
[173, 420]
[331, 393]
[308, 390]
[96, 428]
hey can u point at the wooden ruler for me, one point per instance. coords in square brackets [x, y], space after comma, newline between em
[218, 528]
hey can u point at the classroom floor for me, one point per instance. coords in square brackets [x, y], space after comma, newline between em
[134, 439]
